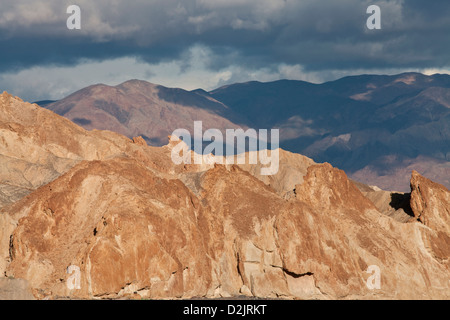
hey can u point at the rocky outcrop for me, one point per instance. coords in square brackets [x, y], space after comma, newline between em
[120, 224]
[126, 221]
[36, 147]
[140, 141]
[430, 203]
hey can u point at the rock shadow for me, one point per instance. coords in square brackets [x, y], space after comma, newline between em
[402, 201]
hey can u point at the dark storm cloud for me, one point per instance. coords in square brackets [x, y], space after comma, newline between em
[317, 34]
[23, 52]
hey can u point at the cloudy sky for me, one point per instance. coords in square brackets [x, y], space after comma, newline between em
[208, 43]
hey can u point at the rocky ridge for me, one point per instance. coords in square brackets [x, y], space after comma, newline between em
[137, 225]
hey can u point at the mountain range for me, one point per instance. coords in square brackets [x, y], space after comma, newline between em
[377, 128]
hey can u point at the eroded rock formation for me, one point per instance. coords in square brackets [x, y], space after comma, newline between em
[136, 224]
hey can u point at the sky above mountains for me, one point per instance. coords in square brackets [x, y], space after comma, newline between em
[208, 43]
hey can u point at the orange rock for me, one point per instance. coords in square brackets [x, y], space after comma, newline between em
[430, 203]
[139, 141]
[138, 226]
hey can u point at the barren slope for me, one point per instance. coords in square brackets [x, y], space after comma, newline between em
[139, 108]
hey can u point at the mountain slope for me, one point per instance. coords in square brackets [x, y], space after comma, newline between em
[139, 108]
[371, 126]
[358, 123]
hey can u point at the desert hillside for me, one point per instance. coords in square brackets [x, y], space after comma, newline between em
[136, 225]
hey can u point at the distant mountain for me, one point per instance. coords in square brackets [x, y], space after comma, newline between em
[140, 108]
[376, 127]
[371, 126]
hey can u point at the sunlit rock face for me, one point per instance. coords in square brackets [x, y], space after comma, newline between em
[133, 224]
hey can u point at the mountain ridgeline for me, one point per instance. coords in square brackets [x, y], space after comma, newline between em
[378, 128]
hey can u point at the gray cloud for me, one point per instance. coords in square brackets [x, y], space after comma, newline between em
[319, 36]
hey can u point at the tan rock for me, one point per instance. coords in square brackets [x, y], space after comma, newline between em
[128, 223]
[430, 203]
[333, 234]
[140, 141]
[15, 289]
[117, 226]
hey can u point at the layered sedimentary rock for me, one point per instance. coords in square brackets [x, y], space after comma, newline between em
[134, 224]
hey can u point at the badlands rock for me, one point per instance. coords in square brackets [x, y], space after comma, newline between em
[120, 224]
[430, 203]
[134, 224]
[339, 233]
[36, 147]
